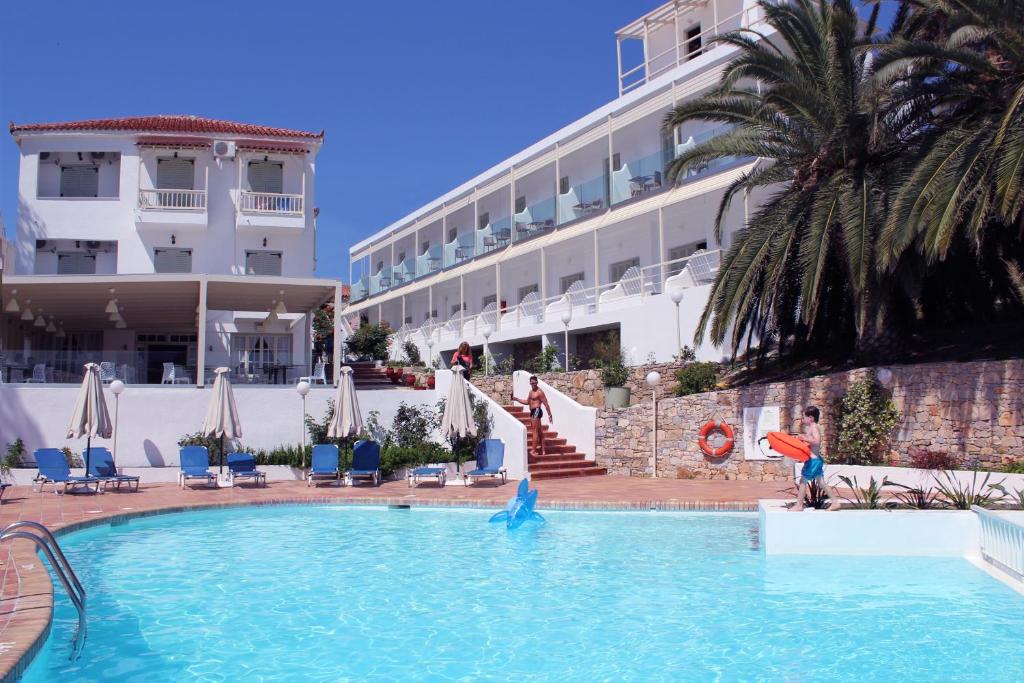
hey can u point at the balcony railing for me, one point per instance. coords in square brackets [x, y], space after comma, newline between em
[174, 200]
[271, 203]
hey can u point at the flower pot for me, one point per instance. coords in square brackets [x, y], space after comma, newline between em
[431, 382]
[378, 363]
[390, 372]
[616, 397]
[410, 380]
[396, 376]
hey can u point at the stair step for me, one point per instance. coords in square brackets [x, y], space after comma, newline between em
[569, 472]
[557, 462]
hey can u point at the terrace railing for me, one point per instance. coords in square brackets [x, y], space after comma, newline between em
[271, 203]
[1002, 542]
[175, 200]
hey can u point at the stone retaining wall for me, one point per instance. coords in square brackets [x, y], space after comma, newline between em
[585, 386]
[973, 410]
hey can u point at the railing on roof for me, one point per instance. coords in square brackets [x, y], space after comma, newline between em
[1002, 542]
[271, 203]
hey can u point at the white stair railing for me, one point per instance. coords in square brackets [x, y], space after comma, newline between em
[1002, 542]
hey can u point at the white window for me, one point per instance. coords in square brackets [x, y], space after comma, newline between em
[484, 220]
[263, 262]
[79, 181]
[526, 291]
[452, 234]
[692, 44]
[681, 252]
[253, 354]
[266, 176]
[76, 263]
[172, 260]
[175, 174]
[564, 283]
[520, 203]
[617, 270]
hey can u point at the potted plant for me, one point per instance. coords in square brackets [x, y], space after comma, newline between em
[431, 381]
[410, 380]
[614, 375]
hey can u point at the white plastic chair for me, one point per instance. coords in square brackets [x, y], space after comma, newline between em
[168, 376]
[38, 374]
[180, 376]
[319, 375]
[108, 371]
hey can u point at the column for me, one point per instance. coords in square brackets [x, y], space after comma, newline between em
[497, 295]
[336, 353]
[462, 305]
[543, 277]
[661, 249]
[201, 335]
[597, 276]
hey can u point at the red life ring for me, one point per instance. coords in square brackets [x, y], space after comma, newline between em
[705, 431]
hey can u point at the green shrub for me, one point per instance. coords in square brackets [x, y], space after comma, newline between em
[545, 361]
[1014, 467]
[864, 419]
[13, 457]
[413, 426]
[686, 355]
[73, 459]
[865, 497]
[396, 457]
[696, 378]
[614, 372]
[370, 341]
[292, 456]
[963, 495]
[212, 445]
[412, 353]
[465, 449]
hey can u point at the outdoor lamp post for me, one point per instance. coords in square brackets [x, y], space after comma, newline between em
[566, 319]
[116, 388]
[430, 350]
[487, 365]
[302, 388]
[676, 295]
[653, 378]
[884, 376]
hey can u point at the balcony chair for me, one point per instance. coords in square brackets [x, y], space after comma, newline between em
[38, 374]
[319, 375]
[108, 372]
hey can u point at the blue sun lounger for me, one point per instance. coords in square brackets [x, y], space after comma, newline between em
[428, 471]
[490, 461]
[195, 463]
[366, 462]
[243, 466]
[54, 469]
[101, 466]
[324, 466]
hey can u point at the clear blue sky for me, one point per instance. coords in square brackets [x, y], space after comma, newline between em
[415, 97]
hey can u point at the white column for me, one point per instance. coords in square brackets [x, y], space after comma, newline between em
[403, 310]
[201, 335]
[512, 204]
[380, 314]
[462, 304]
[497, 295]
[543, 277]
[430, 302]
[661, 248]
[618, 57]
[336, 353]
[597, 275]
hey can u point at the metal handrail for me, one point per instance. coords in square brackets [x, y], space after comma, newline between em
[46, 542]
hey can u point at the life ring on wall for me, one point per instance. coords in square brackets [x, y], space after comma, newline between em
[725, 430]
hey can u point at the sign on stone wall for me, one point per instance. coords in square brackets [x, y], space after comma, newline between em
[756, 423]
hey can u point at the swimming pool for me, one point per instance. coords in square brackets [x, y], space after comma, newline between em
[331, 593]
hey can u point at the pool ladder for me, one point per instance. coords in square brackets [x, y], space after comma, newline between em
[45, 541]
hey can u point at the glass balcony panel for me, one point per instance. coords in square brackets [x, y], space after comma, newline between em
[536, 219]
[709, 167]
[639, 177]
[429, 261]
[494, 235]
[359, 290]
[585, 199]
[460, 249]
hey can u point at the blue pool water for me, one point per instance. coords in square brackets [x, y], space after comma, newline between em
[345, 593]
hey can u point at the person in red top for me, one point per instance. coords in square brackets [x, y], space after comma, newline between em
[464, 357]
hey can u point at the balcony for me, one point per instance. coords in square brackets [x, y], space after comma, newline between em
[535, 219]
[461, 249]
[640, 177]
[171, 207]
[429, 261]
[271, 210]
[494, 235]
[583, 200]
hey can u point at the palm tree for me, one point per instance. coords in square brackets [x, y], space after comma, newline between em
[802, 102]
[963, 191]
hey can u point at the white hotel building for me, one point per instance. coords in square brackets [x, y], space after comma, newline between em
[162, 247]
[581, 225]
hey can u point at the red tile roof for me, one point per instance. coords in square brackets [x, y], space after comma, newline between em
[166, 123]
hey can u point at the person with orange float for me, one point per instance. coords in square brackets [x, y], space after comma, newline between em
[813, 469]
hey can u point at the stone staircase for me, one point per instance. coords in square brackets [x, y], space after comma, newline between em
[560, 459]
[367, 376]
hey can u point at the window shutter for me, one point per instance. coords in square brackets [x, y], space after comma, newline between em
[76, 264]
[175, 174]
[262, 263]
[79, 181]
[489, 299]
[172, 260]
[266, 176]
[563, 185]
[485, 218]
[617, 270]
[520, 203]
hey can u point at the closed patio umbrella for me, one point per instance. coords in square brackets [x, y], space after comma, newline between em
[347, 419]
[457, 419]
[221, 415]
[90, 417]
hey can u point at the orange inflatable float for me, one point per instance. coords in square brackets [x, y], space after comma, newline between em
[706, 430]
[789, 446]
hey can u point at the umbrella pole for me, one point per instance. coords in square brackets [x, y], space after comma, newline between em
[222, 454]
[88, 451]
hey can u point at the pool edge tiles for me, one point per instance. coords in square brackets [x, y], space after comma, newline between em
[27, 601]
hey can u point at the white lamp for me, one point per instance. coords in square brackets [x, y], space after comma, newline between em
[50, 327]
[653, 378]
[566, 319]
[112, 304]
[676, 294]
[302, 388]
[430, 350]
[27, 313]
[12, 305]
[280, 308]
[884, 376]
[487, 363]
[40, 321]
[116, 388]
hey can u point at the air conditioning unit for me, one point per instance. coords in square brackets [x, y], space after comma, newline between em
[92, 244]
[224, 149]
[98, 155]
[41, 245]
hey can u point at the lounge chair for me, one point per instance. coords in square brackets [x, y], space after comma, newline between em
[243, 466]
[101, 466]
[366, 462]
[195, 463]
[3, 487]
[54, 469]
[324, 466]
[490, 459]
[428, 471]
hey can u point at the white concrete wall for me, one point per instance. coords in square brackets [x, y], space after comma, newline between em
[923, 479]
[941, 533]
[152, 419]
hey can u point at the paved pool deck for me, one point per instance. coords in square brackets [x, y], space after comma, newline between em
[26, 591]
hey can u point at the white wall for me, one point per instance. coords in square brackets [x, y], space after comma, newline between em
[152, 419]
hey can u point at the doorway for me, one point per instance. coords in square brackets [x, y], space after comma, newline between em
[158, 354]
